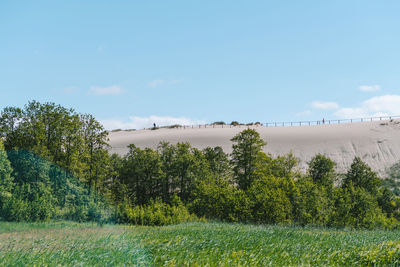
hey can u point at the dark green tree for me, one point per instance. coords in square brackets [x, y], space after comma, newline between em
[361, 175]
[247, 149]
[218, 161]
[322, 170]
[6, 180]
[141, 173]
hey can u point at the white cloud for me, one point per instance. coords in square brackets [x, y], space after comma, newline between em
[385, 105]
[111, 90]
[324, 105]
[370, 88]
[135, 122]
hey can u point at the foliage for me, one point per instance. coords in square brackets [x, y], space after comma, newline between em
[155, 213]
[322, 170]
[361, 175]
[55, 165]
[216, 198]
[6, 180]
[313, 204]
[356, 207]
[246, 152]
[270, 202]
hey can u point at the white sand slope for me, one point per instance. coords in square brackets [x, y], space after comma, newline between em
[377, 143]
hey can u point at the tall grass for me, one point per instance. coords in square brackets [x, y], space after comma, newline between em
[71, 245]
[193, 244]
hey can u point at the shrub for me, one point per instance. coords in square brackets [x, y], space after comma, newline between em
[270, 202]
[356, 207]
[215, 198]
[313, 204]
[156, 213]
[174, 126]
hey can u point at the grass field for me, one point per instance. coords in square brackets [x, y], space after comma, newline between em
[213, 244]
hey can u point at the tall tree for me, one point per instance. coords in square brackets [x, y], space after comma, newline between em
[6, 180]
[218, 161]
[141, 173]
[322, 170]
[247, 152]
[361, 175]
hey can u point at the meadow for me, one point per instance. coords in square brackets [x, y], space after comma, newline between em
[192, 244]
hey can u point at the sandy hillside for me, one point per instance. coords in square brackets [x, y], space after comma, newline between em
[377, 143]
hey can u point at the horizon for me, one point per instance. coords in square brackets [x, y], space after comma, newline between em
[135, 64]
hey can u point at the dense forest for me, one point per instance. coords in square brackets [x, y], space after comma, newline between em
[54, 164]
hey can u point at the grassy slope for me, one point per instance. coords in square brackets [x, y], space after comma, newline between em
[212, 244]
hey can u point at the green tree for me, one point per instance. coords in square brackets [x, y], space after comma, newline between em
[94, 155]
[361, 175]
[167, 153]
[322, 170]
[246, 154]
[216, 198]
[6, 180]
[356, 207]
[313, 204]
[218, 161]
[284, 166]
[270, 201]
[142, 173]
[190, 167]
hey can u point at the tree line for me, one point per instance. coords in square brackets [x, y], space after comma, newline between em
[54, 165]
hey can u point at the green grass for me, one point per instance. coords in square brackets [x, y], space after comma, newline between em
[194, 244]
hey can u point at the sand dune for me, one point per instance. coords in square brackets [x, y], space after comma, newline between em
[377, 143]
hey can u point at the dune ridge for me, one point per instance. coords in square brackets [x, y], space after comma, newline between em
[376, 142]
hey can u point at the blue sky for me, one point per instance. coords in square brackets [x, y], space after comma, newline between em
[132, 63]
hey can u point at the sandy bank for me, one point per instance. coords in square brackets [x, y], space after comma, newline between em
[377, 143]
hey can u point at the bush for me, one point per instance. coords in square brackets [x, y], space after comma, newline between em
[270, 201]
[313, 204]
[215, 198]
[174, 126]
[156, 213]
[356, 207]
